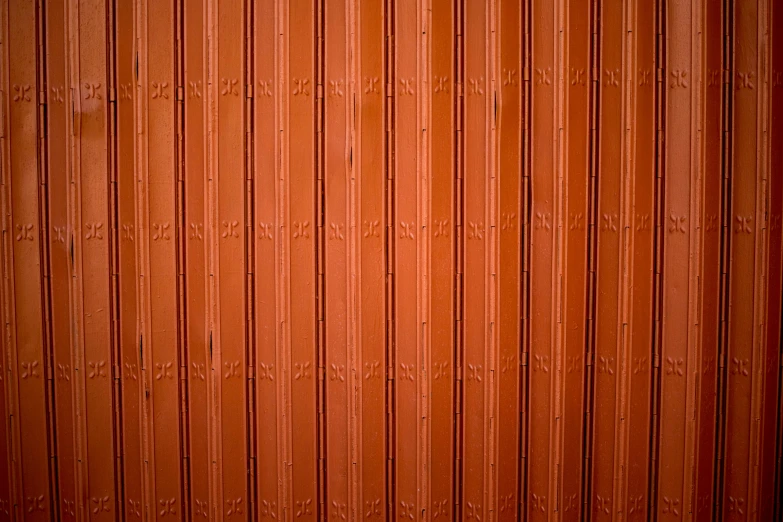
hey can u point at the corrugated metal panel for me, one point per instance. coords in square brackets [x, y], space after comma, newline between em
[400, 259]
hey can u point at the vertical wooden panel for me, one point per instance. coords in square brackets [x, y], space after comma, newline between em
[640, 182]
[158, 209]
[59, 235]
[476, 268]
[406, 87]
[198, 349]
[229, 255]
[510, 220]
[370, 157]
[337, 261]
[268, 244]
[441, 241]
[92, 255]
[129, 335]
[24, 271]
[573, 231]
[544, 168]
[300, 197]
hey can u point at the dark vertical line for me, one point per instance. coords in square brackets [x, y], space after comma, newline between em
[592, 245]
[46, 263]
[525, 261]
[388, 93]
[717, 513]
[320, 305]
[658, 249]
[458, 287]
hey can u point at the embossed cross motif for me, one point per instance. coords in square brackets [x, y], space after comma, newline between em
[573, 363]
[339, 510]
[268, 509]
[164, 370]
[577, 76]
[303, 507]
[64, 372]
[300, 229]
[22, 92]
[301, 86]
[24, 232]
[168, 507]
[677, 223]
[94, 231]
[407, 510]
[714, 79]
[473, 511]
[636, 504]
[125, 91]
[509, 77]
[576, 221]
[744, 224]
[406, 372]
[407, 230]
[97, 369]
[159, 90]
[475, 230]
[475, 85]
[230, 229]
[131, 369]
[266, 371]
[543, 220]
[127, 232]
[441, 228]
[745, 80]
[93, 91]
[29, 369]
[544, 76]
[194, 89]
[680, 78]
[265, 88]
[612, 77]
[674, 366]
[407, 86]
[474, 372]
[201, 508]
[196, 230]
[338, 372]
[541, 363]
[68, 508]
[507, 503]
[198, 371]
[373, 370]
[336, 231]
[643, 222]
[59, 234]
[372, 228]
[606, 365]
[57, 94]
[302, 370]
[441, 84]
[440, 369]
[229, 86]
[644, 76]
[570, 502]
[234, 507]
[35, 503]
[336, 88]
[161, 231]
[538, 503]
[509, 220]
[603, 504]
[737, 505]
[740, 366]
[371, 85]
[232, 369]
[609, 222]
[373, 508]
[101, 504]
[265, 230]
[671, 505]
[507, 363]
[639, 365]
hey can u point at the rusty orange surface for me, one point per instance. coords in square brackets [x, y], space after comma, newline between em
[391, 260]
